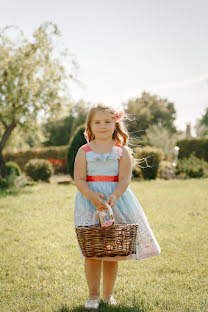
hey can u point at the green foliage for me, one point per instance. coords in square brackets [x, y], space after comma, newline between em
[137, 173]
[79, 113]
[21, 139]
[13, 167]
[59, 132]
[198, 146]
[162, 138]
[13, 171]
[39, 169]
[3, 183]
[192, 167]
[149, 159]
[150, 110]
[202, 125]
[23, 156]
[76, 142]
[33, 79]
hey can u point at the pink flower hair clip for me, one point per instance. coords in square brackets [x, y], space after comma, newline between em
[118, 116]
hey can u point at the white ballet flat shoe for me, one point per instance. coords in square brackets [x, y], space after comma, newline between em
[111, 300]
[92, 304]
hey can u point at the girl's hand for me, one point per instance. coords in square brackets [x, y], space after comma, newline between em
[98, 203]
[112, 200]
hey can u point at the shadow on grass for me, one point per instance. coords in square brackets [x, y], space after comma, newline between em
[104, 308]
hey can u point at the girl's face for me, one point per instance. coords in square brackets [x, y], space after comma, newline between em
[102, 125]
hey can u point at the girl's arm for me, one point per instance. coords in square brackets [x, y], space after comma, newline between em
[80, 175]
[124, 178]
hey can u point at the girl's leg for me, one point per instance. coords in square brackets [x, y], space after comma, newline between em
[110, 269]
[93, 273]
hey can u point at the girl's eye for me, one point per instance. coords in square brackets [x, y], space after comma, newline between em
[97, 122]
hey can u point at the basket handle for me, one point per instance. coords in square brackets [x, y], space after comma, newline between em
[102, 214]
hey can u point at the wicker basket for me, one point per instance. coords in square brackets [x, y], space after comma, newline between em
[116, 240]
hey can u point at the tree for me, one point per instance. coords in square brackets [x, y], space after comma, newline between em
[60, 131]
[33, 80]
[24, 140]
[150, 110]
[162, 138]
[57, 132]
[79, 113]
[75, 143]
[202, 125]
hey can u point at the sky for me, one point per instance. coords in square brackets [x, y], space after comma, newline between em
[125, 47]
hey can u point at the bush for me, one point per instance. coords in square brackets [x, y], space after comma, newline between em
[13, 167]
[76, 142]
[3, 183]
[197, 146]
[39, 169]
[136, 173]
[192, 167]
[149, 159]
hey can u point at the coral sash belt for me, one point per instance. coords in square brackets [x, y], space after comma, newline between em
[102, 178]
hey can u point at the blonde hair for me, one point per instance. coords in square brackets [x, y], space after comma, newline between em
[120, 134]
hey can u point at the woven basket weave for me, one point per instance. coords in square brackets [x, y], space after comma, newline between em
[116, 240]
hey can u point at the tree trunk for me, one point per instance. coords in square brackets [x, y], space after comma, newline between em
[7, 132]
[2, 165]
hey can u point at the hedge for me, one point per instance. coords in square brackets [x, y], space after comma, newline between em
[152, 158]
[192, 167]
[189, 146]
[23, 156]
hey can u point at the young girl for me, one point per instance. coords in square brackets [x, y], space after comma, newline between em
[102, 173]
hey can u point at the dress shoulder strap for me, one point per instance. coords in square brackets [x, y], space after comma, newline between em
[86, 148]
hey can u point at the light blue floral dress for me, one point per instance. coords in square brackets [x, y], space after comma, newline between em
[127, 208]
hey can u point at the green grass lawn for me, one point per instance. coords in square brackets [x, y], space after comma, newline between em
[40, 266]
